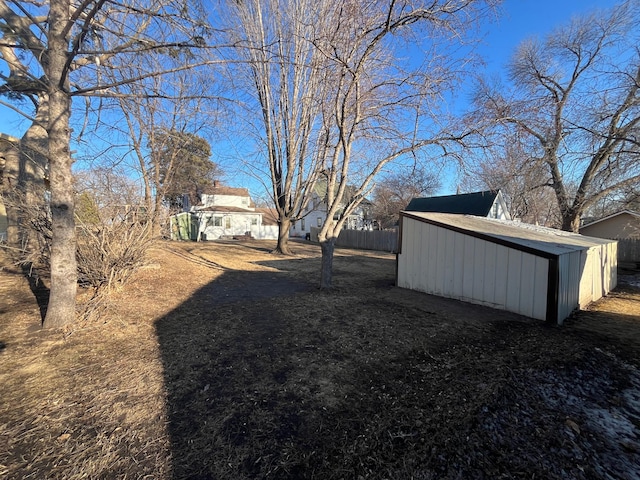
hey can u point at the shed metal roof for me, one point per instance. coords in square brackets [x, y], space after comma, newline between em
[548, 242]
[476, 203]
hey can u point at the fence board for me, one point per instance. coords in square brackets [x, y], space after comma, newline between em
[381, 240]
[629, 250]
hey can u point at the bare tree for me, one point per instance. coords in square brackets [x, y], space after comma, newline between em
[380, 108]
[283, 76]
[575, 102]
[524, 184]
[395, 190]
[171, 103]
[339, 97]
[56, 51]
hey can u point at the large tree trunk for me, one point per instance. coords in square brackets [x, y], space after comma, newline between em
[64, 276]
[571, 222]
[283, 237]
[327, 247]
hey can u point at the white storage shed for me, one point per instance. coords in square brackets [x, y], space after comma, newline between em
[534, 271]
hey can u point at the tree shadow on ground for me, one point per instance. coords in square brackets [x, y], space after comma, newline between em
[268, 377]
[38, 288]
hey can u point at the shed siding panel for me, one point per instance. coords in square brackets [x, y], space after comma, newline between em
[458, 270]
[404, 265]
[500, 296]
[489, 293]
[440, 256]
[514, 270]
[467, 272]
[540, 288]
[449, 264]
[612, 266]
[527, 286]
[416, 255]
[570, 266]
[432, 257]
[587, 281]
[421, 248]
[596, 265]
[479, 263]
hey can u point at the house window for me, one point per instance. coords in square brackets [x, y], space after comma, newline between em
[254, 221]
[217, 221]
[302, 224]
[227, 222]
[319, 222]
[210, 222]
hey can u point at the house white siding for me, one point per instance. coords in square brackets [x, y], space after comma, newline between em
[538, 273]
[239, 201]
[264, 232]
[214, 225]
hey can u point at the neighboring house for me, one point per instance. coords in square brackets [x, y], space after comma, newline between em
[489, 204]
[538, 272]
[224, 212]
[623, 226]
[316, 213]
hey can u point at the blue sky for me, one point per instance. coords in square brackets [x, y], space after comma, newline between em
[522, 19]
[519, 20]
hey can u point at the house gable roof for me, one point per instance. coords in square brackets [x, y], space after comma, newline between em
[476, 203]
[269, 215]
[224, 209]
[622, 212]
[232, 191]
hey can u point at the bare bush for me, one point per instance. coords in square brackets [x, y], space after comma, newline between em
[31, 222]
[112, 245]
[109, 253]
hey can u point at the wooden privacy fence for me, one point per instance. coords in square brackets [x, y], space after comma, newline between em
[629, 250]
[381, 240]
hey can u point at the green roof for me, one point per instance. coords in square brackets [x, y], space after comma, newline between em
[476, 203]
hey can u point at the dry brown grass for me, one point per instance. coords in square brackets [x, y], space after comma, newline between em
[221, 360]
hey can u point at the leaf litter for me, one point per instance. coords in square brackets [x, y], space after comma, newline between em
[225, 362]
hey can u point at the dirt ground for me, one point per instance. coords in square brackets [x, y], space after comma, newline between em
[223, 361]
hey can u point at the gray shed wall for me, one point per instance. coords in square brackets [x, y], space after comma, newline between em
[451, 264]
[477, 268]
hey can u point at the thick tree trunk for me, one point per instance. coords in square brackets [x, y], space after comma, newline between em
[326, 267]
[571, 222]
[64, 276]
[283, 237]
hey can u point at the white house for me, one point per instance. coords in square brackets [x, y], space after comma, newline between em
[224, 212]
[316, 213]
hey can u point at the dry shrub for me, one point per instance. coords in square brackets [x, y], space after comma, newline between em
[109, 253]
[112, 243]
[33, 245]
